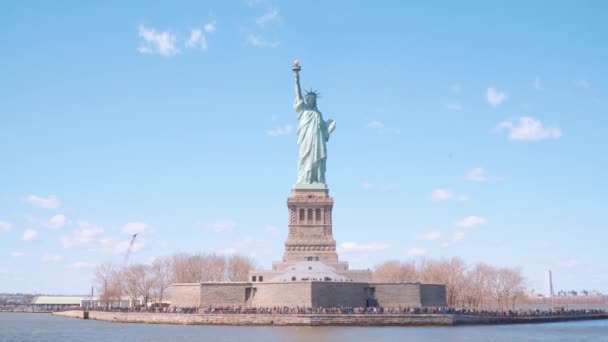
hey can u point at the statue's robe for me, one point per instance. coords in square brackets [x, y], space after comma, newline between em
[313, 133]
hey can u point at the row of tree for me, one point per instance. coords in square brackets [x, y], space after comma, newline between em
[150, 282]
[479, 286]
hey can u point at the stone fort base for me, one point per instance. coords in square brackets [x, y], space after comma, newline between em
[307, 294]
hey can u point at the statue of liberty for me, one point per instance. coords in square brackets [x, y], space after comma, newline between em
[313, 134]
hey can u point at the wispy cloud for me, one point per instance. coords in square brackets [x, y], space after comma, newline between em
[367, 185]
[81, 264]
[210, 27]
[375, 124]
[457, 236]
[495, 97]
[17, 254]
[222, 225]
[134, 228]
[357, 247]
[257, 40]
[271, 229]
[570, 263]
[529, 129]
[471, 221]
[198, 37]
[85, 236]
[278, 131]
[430, 236]
[454, 106]
[272, 15]
[441, 195]
[29, 234]
[537, 84]
[582, 84]
[5, 226]
[416, 251]
[477, 174]
[162, 43]
[50, 202]
[56, 221]
[227, 251]
[51, 258]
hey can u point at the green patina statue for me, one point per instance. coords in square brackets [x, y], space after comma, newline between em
[313, 134]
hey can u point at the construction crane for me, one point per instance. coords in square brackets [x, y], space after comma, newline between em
[129, 249]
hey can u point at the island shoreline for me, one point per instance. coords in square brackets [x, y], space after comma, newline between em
[316, 319]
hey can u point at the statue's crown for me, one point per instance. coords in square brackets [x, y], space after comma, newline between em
[314, 93]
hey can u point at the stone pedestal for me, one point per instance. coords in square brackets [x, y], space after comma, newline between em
[310, 225]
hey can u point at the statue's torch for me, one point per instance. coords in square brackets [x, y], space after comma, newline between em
[296, 66]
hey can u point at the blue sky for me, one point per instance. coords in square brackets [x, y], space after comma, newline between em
[470, 129]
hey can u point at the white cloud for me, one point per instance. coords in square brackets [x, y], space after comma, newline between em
[17, 254]
[356, 247]
[162, 43]
[375, 124]
[85, 236]
[50, 202]
[537, 84]
[222, 225]
[458, 236]
[416, 251]
[441, 195]
[495, 97]
[431, 236]
[471, 221]
[259, 41]
[81, 264]
[582, 84]
[134, 228]
[284, 130]
[197, 39]
[56, 221]
[5, 226]
[367, 185]
[527, 128]
[210, 27]
[272, 15]
[462, 198]
[29, 234]
[227, 251]
[570, 263]
[111, 246]
[454, 106]
[51, 258]
[477, 174]
[271, 229]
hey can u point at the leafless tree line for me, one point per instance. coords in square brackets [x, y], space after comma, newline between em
[479, 286]
[151, 282]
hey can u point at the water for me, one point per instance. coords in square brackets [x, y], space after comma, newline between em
[45, 327]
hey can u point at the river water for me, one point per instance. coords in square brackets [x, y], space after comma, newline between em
[45, 327]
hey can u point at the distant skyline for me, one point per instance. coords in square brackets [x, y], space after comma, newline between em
[464, 129]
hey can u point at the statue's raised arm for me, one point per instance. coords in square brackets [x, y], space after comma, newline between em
[296, 75]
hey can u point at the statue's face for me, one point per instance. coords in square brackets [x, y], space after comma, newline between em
[311, 100]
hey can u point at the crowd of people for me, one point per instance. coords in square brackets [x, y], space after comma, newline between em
[299, 310]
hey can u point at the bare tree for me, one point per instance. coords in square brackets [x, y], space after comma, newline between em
[107, 286]
[161, 270]
[238, 268]
[449, 272]
[395, 271]
[128, 278]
